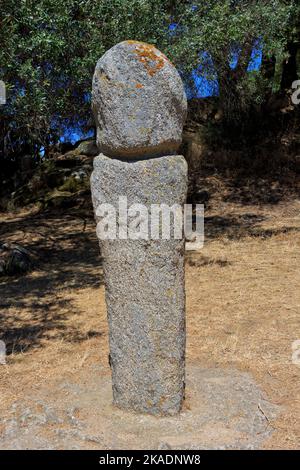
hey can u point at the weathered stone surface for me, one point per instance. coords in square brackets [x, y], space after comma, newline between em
[14, 259]
[87, 147]
[144, 287]
[2, 353]
[139, 102]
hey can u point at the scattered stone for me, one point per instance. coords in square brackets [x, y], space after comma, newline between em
[80, 174]
[88, 147]
[59, 199]
[14, 259]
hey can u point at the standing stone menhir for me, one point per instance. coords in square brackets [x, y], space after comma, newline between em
[140, 107]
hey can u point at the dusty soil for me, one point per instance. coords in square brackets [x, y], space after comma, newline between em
[243, 306]
[223, 409]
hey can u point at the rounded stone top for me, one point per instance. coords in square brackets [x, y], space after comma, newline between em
[139, 102]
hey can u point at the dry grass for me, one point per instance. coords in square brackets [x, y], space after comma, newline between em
[243, 303]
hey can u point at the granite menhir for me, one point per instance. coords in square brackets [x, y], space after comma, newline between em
[139, 105]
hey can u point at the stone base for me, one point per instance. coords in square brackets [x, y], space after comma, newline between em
[144, 286]
[224, 409]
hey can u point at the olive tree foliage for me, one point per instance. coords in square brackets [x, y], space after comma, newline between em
[224, 28]
[49, 49]
[48, 53]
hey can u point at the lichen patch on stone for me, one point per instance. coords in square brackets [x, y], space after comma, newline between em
[148, 56]
[136, 88]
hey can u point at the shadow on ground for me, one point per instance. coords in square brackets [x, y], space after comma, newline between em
[35, 307]
[237, 226]
[242, 189]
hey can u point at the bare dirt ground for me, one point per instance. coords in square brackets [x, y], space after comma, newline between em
[243, 307]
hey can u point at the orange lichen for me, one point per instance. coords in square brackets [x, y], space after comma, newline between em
[139, 85]
[137, 43]
[149, 57]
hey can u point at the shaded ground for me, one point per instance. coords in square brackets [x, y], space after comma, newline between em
[67, 258]
[243, 305]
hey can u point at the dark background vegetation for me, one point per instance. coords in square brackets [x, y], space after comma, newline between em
[49, 49]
